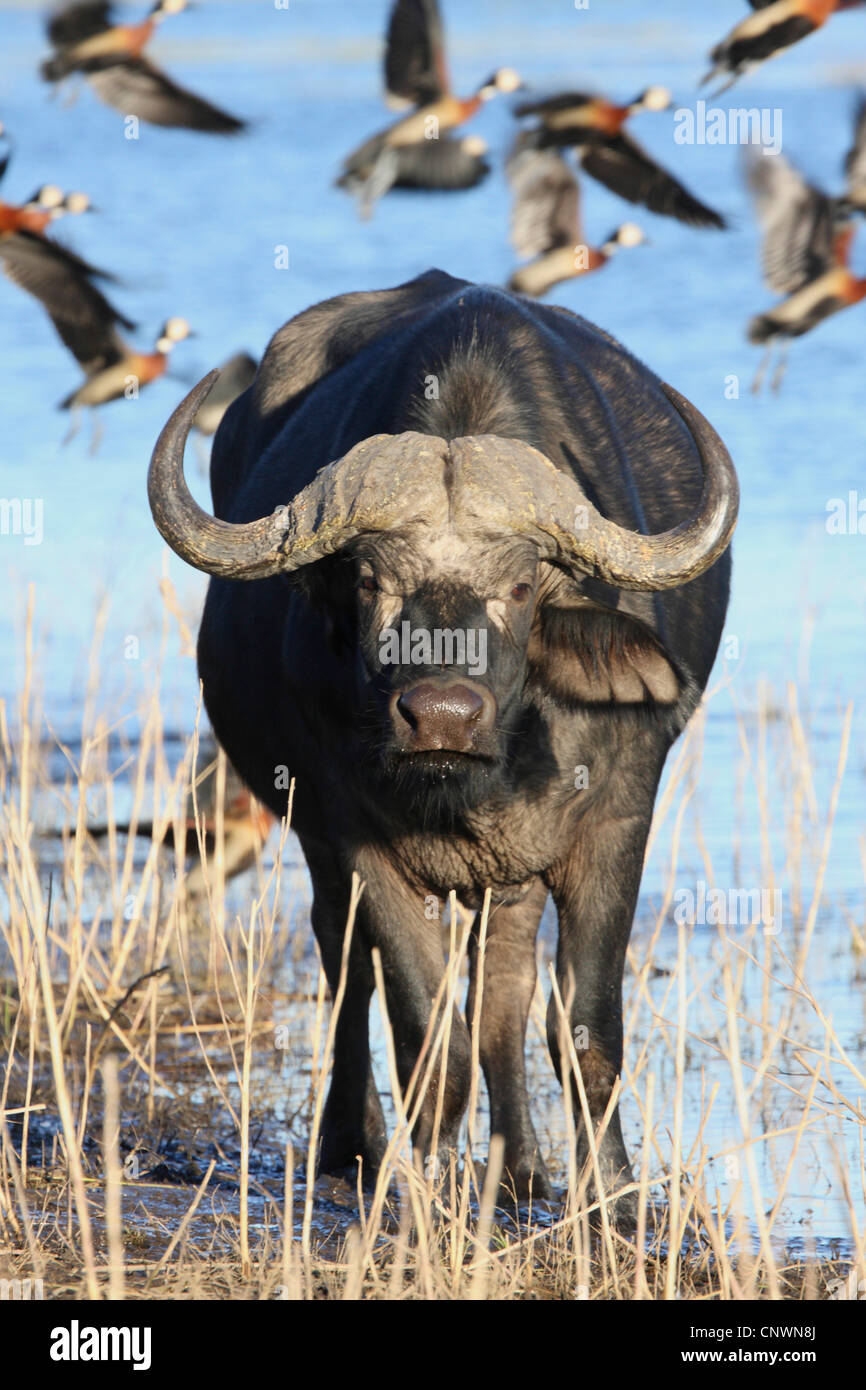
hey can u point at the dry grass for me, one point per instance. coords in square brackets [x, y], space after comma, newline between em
[146, 1151]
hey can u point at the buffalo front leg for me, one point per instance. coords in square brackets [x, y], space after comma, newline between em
[595, 890]
[353, 1126]
[413, 967]
[506, 996]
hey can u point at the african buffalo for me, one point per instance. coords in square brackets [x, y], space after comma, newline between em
[446, 458]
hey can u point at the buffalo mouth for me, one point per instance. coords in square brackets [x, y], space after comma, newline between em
[435, 788]
[439, 762]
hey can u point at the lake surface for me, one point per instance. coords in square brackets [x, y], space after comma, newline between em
[191, 225]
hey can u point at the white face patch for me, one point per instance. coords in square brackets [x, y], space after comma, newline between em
[497, 612]
[388, 609]
[442, 555]
[445, 555]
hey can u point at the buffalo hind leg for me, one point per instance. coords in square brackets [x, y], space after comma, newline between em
[353, 1125]
[509, 984]
[595, 891]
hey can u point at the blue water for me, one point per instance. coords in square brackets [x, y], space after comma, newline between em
[191, 225]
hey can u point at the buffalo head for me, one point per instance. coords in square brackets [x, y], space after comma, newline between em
[447, 554]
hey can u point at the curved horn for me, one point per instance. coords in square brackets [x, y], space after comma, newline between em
[389, 480]
[381, 483]
[218, 547]
[512, 485]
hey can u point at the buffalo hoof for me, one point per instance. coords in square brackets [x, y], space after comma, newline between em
[341, 1156]
[622, 1210]
[522, 1183]
[347, 1172]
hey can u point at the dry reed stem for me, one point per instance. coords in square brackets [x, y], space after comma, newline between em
[113, 1178]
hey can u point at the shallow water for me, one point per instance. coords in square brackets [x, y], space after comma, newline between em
[191, 224]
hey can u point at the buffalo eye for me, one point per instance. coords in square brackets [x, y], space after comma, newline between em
[521, 592]
[368, 585]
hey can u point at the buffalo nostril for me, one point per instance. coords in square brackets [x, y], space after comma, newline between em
[404, 705]
[467, 702]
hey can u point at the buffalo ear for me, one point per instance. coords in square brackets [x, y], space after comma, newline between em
[584, 655]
